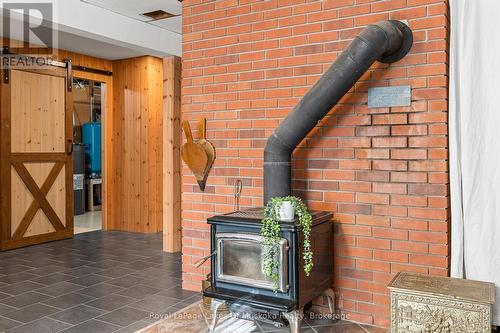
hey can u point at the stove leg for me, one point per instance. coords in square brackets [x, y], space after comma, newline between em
[330, 296]
[295, 320]
[214, 308]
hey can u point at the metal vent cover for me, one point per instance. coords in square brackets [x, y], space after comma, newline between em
[252, 213]
[158, 15]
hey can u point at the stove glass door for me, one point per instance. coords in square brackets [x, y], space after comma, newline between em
[239, 261]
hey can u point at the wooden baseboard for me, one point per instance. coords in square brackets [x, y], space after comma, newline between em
[32, 240]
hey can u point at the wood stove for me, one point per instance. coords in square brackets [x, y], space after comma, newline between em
[237, 275]
[238, 278]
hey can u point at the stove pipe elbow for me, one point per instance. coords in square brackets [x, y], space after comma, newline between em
[385, 41]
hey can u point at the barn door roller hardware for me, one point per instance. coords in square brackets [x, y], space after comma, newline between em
[92, 70]
[385, 41]
[64, 64]
[6, 55]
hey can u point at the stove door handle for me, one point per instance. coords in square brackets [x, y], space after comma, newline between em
[202, 260]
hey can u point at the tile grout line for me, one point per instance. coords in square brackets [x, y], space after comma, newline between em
[11, 319]
[70, 325]
[83, 304]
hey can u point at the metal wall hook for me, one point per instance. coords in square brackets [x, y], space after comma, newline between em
[238, 188]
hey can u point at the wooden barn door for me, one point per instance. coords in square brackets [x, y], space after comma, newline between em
[36, 162]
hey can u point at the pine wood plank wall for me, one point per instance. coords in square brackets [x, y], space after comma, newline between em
[171, 154]
[137, 145]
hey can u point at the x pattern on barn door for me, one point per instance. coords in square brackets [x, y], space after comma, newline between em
[40, 215]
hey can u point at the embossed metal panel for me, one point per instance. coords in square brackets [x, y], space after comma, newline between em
[422, 303]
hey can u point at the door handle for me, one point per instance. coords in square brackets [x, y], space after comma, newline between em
[69, 147]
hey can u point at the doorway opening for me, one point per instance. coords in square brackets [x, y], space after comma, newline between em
[88, 108]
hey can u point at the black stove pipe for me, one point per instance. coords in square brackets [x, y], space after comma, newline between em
[385, 41]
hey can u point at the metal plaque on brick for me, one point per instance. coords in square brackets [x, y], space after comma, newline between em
[384, 97]
[78, 181]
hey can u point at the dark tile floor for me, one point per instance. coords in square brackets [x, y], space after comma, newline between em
[95, 282]
[196, 317]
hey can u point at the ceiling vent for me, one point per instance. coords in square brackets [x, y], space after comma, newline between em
[158, 15]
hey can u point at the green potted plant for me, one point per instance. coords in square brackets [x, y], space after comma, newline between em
[271, 231]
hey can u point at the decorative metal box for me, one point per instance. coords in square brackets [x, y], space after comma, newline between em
[428, 304]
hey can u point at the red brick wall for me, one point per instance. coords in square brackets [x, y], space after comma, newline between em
[383, 172]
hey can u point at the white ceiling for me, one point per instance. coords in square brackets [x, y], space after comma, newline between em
[88, 29]
[97, 48]
[134, 9]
